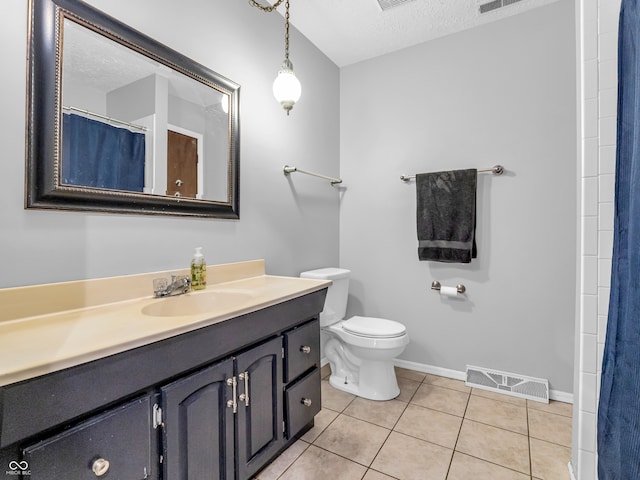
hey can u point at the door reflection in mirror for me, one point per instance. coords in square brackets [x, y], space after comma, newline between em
[182, 165]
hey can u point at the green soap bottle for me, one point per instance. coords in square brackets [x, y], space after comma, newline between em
[198, 270]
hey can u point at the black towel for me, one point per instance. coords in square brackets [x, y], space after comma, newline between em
[446, 215]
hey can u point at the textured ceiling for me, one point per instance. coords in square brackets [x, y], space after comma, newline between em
[349, 31]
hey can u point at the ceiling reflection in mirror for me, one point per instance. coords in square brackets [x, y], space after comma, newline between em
[140, 128]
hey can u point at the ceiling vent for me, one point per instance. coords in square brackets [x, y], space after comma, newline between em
[489, 6]
[387, 4]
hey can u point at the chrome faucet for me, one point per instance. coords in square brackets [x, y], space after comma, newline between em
[179, 284]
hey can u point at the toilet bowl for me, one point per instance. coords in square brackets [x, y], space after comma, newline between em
[360, 349]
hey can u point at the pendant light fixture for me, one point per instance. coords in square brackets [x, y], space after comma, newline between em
[286, 86]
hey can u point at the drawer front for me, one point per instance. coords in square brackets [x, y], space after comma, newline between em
[302, 402]
[302, 350]
[116, 444]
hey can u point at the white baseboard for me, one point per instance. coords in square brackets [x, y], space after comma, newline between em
[565, 397]
[421, 367]
[557, 395]
[573, 477]
[458, 375]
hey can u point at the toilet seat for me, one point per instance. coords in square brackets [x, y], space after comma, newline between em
[372, 327]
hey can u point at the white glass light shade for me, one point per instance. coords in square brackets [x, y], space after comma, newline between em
[286, 87]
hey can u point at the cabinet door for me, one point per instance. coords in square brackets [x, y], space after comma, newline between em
[117, 444]
[260, 433]
[198, 425]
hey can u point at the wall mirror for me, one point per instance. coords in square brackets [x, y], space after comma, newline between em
[118, 122]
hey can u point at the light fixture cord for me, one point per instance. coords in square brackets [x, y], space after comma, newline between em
[271, 8]
[268, 8]
[286, 32]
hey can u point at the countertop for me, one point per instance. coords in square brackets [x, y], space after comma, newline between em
[36, 345]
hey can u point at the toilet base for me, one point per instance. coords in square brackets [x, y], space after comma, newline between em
[376, 381]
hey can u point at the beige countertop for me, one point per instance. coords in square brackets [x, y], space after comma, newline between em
[57, 338]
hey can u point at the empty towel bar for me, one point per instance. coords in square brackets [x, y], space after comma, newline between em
[287, 170]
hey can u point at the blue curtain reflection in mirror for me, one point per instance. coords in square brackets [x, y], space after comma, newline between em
[96, 154]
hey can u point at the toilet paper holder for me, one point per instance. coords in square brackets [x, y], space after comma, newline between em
[435, 285]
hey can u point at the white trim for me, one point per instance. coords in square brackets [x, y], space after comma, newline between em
[557, 395]
[149, 157]
[421, 367]
[560, 396]
[571, 474]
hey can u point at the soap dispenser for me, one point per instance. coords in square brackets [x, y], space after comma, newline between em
[198, 270]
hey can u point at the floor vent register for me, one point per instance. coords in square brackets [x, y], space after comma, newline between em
[508, 383]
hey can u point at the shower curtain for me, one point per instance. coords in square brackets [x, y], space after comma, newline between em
[96, 154]
[619, 407]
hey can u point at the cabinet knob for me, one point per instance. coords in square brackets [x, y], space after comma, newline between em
[306, 402]
[305, 349]
[100, 467]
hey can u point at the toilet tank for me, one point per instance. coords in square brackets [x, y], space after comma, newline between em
[335, 305]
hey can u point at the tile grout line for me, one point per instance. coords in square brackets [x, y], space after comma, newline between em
[458, 436]
[469, 393]
[489, 425]
[463, 418]
[392, 429]
[389, 434]
[378, 452]
[351, 459]
[529, 444]
[359, 419]
[291, 464]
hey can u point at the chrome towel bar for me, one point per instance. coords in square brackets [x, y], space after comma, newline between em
[496, 170]
[287, 170]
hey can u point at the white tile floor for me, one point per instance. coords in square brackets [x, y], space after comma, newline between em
[437, 429]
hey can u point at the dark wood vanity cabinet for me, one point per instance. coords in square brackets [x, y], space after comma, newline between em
[260, 406]
[200, 411]
[217, 403]
[302, 376]
[197, 426]
[117, 442]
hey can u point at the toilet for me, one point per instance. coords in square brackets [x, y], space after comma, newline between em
[360, 349]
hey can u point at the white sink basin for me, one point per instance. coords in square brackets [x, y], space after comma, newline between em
[198, 303]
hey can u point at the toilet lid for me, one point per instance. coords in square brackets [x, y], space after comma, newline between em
[373, 327]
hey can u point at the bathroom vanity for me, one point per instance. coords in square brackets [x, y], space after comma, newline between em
[213, 394]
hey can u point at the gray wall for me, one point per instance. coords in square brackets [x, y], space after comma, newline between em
[290, 222]
[503, 93]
